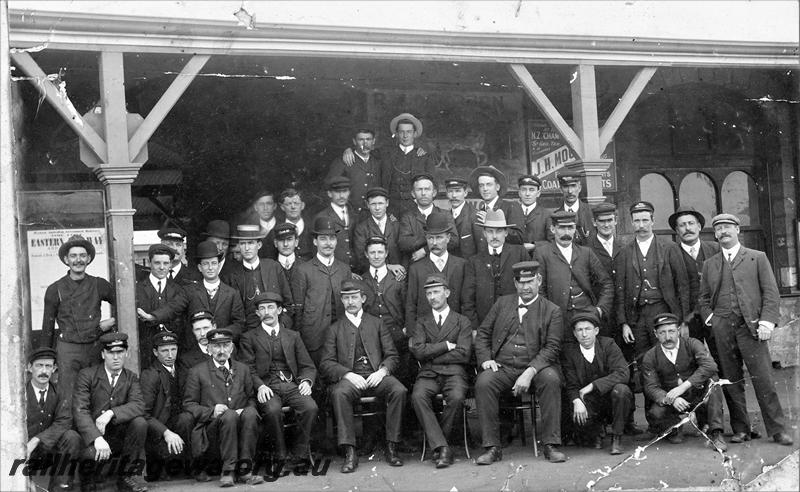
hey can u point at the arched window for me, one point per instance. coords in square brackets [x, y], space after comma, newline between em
[697, 190]
[655, 189]
[739, 197]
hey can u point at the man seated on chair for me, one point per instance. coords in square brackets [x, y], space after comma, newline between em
[283, 373]
[596, 376]
[442, 343]
[676, 374]
[517, 347]
[358, 358]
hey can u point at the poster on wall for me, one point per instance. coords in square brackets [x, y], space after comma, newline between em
[46, 267]
[549, 153]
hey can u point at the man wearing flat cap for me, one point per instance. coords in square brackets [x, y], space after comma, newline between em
[596, 384]
[517, 349]
[489, 182]
[74, 302]
[739, 299]
[359, 359]
[364, 172]
[677, 373]
[411, 239]
[219, 233]
[168, 425]
[49, 417]
[490, 273]
[221, 397]
[179, 271]
[342, 215]
[570, 183]
[292, 203]
[571, 274]
[534, 220]
[196, 352]
[378, 223]
[283, 374]
[464, 215]
[442, 343]
[108, 410]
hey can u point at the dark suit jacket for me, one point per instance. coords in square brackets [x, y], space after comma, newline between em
[158, 402]
[454, 271]
[393, 293]
[756, 288]
[190, 357]
[338, 357]
[542, 326]
[412, 232]
[584, 267]
[613, 368]
[205, 387]
[290, 272]
[584, 222]
[362, 175]
[93, 395]
[693, 364]
[305, 243]
[344, 250]
[313, 287]
[274, 280]
[257, 353]
[227, 269]
[672, 278]
[50, 422]
[694, 269]
[479, 292]
[608, 261]
[428, 344]
[535, 227]
[465, 223]
[148, 299]
[367, 228]
[187, 275]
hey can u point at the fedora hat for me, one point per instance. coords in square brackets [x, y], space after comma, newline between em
[218, 228]
[249, 231]
[487, 171]
[496, 219]
[72, 242]
[406, 116]
[437, 223]
[673, 219]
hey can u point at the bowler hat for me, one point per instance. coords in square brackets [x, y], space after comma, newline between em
[529, 180]
[324, 226]
[496, 219]
[164, 338]
[487, 171]
[525, 270]
[249, 232]
[219, 335]
[436, 280]
[218, 228]
[74, 241]
[266, 297]
[437, 223]
[563, 217]
[113, 340]
[673, 219]
[642, 207]
[42, 353]
[665, 319]
[406, 116]
[207, 249]
[725, 219]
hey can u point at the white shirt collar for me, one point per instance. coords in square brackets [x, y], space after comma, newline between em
[339, 210]
[574, 207]
[520, 301]
[209, 286]
[567, 252]
[227, 364]
[644, 246]
[356, 320]
[406, 148]
[300, 225]
[108, 375]
[326, 261]
[437, 260]
[444, 313]
[588, 354]
[672, 354]
[37, 390]
[175, 269]
[492, 203]
[527, 209]
[170, 370]
[731, 252]
[426, 212]
[607, 244]
[154, 281]
[688, 248]
[268, 224]
[286, 261]
[251, 266]
[381, 223]
[499, 250]
[268, 328]
[457, 211]
[382, 272]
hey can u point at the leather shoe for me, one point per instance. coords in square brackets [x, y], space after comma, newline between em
[391, 454]
[350, 460]
[226, 480]
[675, 437]
[445, 457]
[740, 437]
[492, 454]
[202, 476]
[616, 446]
[132, 483]
[250, 479]
[597, 443]
[754, 434]
[783, 439]
[718, 441]
[553, 455]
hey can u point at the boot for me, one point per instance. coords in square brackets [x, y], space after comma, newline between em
[350, 459]
[391, 454]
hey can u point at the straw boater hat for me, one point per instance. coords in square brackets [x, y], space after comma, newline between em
[406, 116]
[76, 241]
[249, 231]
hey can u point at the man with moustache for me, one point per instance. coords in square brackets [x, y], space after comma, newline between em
[677, 373]
[442, 343]
[201, 323]
[292, 204]
[364, 172]
[74, 302]
[489, 182]
[739, 299]
[342, 215]
[283, 374]
[219, 233]
[412, 223]
[378, 223]
[359, 359]
[179, 271]
[534, 220]
[108, 411]
[49, 418]
[221, 397]
[464, 216]
[570, 183]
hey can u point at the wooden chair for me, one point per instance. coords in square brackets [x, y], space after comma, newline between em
[518, 405]
[439, 399]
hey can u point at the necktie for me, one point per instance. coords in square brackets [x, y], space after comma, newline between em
[376, 277]
[693, 252]
[522, 314]
[225, 373]
[114, 378]
[730, 257]
[273, 333]
[171, 274]
[494, 252]
[344, 217]
[439, 321]
[159, 287]
[212, 292]
[41, 398]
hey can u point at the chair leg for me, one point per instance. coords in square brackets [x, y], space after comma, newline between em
[533, 425]
[424, 446]
[466, 434]
[521, 420]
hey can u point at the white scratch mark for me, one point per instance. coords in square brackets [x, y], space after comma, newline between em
[32, 49]
[245, 18]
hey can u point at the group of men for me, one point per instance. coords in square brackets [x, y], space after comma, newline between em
[383, 293]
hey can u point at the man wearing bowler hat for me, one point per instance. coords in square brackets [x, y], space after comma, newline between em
[464, 215]
[74, 302]
[292, 203]
[570, 183]
[359, 359]
[378, 223]
[489, 182]
[364, 172]
[517, 349]
[179, 271]
[411, 238]
[108, 410]
[219, 233]
[222, 399]
[342, 215]
[534, 220]
[283, 374]
[49, 417]
[739, 299]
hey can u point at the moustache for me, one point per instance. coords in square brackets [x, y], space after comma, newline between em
[566, 237]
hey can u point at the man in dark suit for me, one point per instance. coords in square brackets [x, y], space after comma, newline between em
[49, 417]
[286, 242]
[283, 374]
[438, 230]
[359, 358]
[570, 183]
[517, 347]
[201, 323]
[532, 219]
[219, 233]
[315, 285]
[341, 214]
[404, 160]
[179, 271]
[442, 343]
[365, 172]
[489, 273]
[464, 215]
[596, 383]
[153, 293]
[378, 223]
[412, 223]
[488, 181]
[261, 212]
[168, 426]
[221, 397]
[677, 373]
[292, 204]
[571, 274]
[739, 299]
[108, 410]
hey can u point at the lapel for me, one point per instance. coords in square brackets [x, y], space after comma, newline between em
[634, 254]
[739, 258]
[447, 328]
[557, 253]
[510, 318]
[212, 368]
[263, 339]
[288, 353]
[418, 215]
[503, 259]
[335, 217]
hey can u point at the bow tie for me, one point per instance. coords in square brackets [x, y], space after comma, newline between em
[524, 306]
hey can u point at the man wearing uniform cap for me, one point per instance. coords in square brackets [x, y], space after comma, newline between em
[293, 205]
[219, 233]
[442, 343]
[342, 215]
[286, 243]
[49, 418]
[359, 359]
[168, 425]
[517, 349]
[571, 274]
[74, 302]
[200, 322]
[364, 172]
[378, 223]
[596, 384]
[533, 219]
[175, 238]
[739, 299]
[464, 215]
[283, 374]
[108, 410]
[677, 373]
[221, 397]
[411, 239]
[570, 183]
[489, 182]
